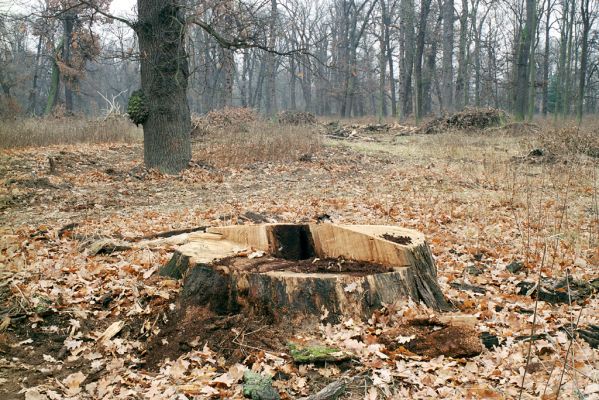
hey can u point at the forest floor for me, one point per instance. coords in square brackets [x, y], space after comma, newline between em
[78, 325]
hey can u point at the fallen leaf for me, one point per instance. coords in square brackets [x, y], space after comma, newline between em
[73, 383]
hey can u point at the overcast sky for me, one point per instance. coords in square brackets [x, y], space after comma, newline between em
[123, 7]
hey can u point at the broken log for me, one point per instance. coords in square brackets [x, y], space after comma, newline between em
[296, 272]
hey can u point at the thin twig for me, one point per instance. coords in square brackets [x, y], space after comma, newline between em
[571, 333]
[534, 321]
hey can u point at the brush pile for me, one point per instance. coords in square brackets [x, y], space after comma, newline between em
[366, 132]
[296, 118]
[223, 118]
[469, 119]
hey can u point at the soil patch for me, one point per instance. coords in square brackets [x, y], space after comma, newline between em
[232, 337]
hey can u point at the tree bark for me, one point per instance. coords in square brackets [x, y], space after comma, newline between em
[269, 95]
[532, 66]
[460, 86]
[382, 97]
[54, 82]
[292, 84]
[566, 90]
[68, 81]
[389, 55]
[586, 28]
[164, 77]
[406, 56]
[521, 90]
[546, 59]
[424, 11]
[447, 75]
[33, 92]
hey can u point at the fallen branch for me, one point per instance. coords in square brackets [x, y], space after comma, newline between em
[330, 391]
[167, 234]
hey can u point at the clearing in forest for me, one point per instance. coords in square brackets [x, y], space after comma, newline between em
[509, 214]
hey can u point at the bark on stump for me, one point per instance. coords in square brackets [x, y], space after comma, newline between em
[307, 271]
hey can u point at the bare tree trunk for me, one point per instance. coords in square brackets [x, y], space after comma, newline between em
[306, 84]
[33, 92]
[382, 98]
[406, 56]
[586, 28]
[292, 83]
[460, 85]
[532, 66]
[229, 76]
[567, 72]
[164, 76]
[447, 75]
[424, 11]
[546, 58]
[478, 28]
[68, 81]
[269, 96]
[54, 81]
[522, 72]
[389, 55]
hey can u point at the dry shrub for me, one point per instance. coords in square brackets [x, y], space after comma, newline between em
[469, 119]
[261, 141]
[571, 141]
[223, 118]
[515, 129]
[65, 130]
[296, 118]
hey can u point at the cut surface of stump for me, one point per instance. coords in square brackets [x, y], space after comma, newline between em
[301, 272]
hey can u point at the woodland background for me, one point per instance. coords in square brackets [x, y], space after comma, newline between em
[400, 58]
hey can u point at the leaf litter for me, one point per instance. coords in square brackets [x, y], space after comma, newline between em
[83, 325]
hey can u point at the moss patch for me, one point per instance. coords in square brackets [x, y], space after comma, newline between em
[317, 354]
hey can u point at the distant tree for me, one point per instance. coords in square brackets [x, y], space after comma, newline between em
[161, 29]
[525, 39]
[77, 45]
[447, 88]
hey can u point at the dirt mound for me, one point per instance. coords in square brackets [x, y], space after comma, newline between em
[224, 118]
[467, 120]
[296, 118]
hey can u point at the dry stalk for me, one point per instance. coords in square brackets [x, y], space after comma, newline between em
[570, 343]
[534, 321]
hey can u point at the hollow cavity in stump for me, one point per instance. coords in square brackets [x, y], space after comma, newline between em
[301, 272]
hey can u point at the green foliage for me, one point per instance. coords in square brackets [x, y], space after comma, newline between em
[258, 387]
[137, 108]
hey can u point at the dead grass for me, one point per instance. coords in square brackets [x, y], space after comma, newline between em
[50, 131]
[257, 141]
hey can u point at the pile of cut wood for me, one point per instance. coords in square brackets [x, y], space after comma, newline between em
[223, 118]
[470, 119]
[296, 118]
[335, 130]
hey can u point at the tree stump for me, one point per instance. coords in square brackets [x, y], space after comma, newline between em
[300, 272]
